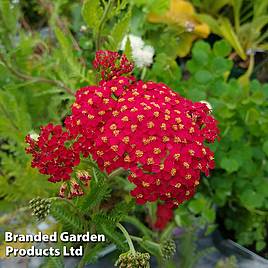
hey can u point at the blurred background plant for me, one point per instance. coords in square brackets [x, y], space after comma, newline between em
[242, 23]
[46, 53]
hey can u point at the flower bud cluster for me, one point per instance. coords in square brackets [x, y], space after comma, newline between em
[40, 207]
[133, 260]
[168, 249]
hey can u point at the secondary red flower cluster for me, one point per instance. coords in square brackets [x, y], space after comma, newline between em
[51, 155]
[143, 127]
[112, 64]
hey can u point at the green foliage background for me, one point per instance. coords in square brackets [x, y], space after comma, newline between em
[45, 56]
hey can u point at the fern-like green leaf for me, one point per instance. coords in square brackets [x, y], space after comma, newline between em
[122, 209]
[68, 219]
[107, 225]
[15, 121]
[92, 255]
[99, 191]
[53, 262]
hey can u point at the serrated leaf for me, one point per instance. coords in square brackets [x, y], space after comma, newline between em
[121, 210]
[15, 121]
[67, 218]
[99, 191]
[128, 49]
[229, 34]
[8, 15]
[119, 31]
[67, 48]
[92, 13]
[107, 225]
[92, 255]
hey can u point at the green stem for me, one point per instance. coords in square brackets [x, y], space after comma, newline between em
[251, 64]
[116, 172]
[82, 262]
[103, 19]
[244, 79]
[159, 257]
[143, 73]
[134, 221]
[151, 210]
[127, 236]
[95, 175]
[139, 239]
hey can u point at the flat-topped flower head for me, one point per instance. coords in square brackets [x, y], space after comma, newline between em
[155, 134]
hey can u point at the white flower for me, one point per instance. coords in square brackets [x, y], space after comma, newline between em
[83, 28]
[142, 54]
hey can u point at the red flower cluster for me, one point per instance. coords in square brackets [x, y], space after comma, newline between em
[145, 128]
[111, 64]
[50, 154]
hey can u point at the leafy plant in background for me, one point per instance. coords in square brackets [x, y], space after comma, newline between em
[248, 32]
[191, 218]
[36, 82]
[240, 183]
[229, 262]
[181, 18]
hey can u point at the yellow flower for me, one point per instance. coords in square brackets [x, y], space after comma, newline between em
[182, 16]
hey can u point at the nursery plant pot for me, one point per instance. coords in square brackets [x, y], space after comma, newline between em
[245, 257]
